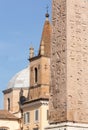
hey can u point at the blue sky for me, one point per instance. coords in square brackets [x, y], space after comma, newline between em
[21, 24]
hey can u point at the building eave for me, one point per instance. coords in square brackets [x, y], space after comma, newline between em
[37, 57]
[35, 102]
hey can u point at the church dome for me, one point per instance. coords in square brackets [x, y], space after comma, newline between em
[20, 80]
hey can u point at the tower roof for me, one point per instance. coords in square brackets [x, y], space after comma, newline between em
[46, 37]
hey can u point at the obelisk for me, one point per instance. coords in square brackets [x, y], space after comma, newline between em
[68, 108]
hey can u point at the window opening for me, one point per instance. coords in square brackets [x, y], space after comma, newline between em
[36, 115]
[26, 117]
[47, 114]
[36, 75]
[8, 104]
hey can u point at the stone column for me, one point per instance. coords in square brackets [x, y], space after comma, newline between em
[69, 65]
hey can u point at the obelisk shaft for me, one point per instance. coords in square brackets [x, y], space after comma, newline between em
[69, 62]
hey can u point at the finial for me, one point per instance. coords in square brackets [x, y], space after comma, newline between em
[31, 51]
[47, 14]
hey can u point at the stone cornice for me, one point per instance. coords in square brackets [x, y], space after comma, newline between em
[35, 102]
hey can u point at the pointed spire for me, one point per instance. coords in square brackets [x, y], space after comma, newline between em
[45, 43]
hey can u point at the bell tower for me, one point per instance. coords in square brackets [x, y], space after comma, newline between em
[40, 65]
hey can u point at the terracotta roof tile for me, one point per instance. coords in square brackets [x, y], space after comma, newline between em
[4, 114]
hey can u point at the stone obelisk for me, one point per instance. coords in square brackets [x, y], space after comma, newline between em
[69, 65]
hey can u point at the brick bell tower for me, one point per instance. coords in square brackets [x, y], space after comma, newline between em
[40, 65]
[69, 65]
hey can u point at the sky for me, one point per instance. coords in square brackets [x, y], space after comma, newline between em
[21, 24]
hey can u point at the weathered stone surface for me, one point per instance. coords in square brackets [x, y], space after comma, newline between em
[69, 61]
[58, 63]
[39, 89]
[77, 60]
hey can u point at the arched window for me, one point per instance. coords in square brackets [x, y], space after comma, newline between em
[8, 104]
[36, 75]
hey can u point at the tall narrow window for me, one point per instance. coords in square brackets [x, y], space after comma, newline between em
[47, 114]
[8, 104]
[36, 75]
[36, 115]
[26, 117]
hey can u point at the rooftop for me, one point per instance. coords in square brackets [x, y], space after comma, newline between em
[4, 114]
[46, 37]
